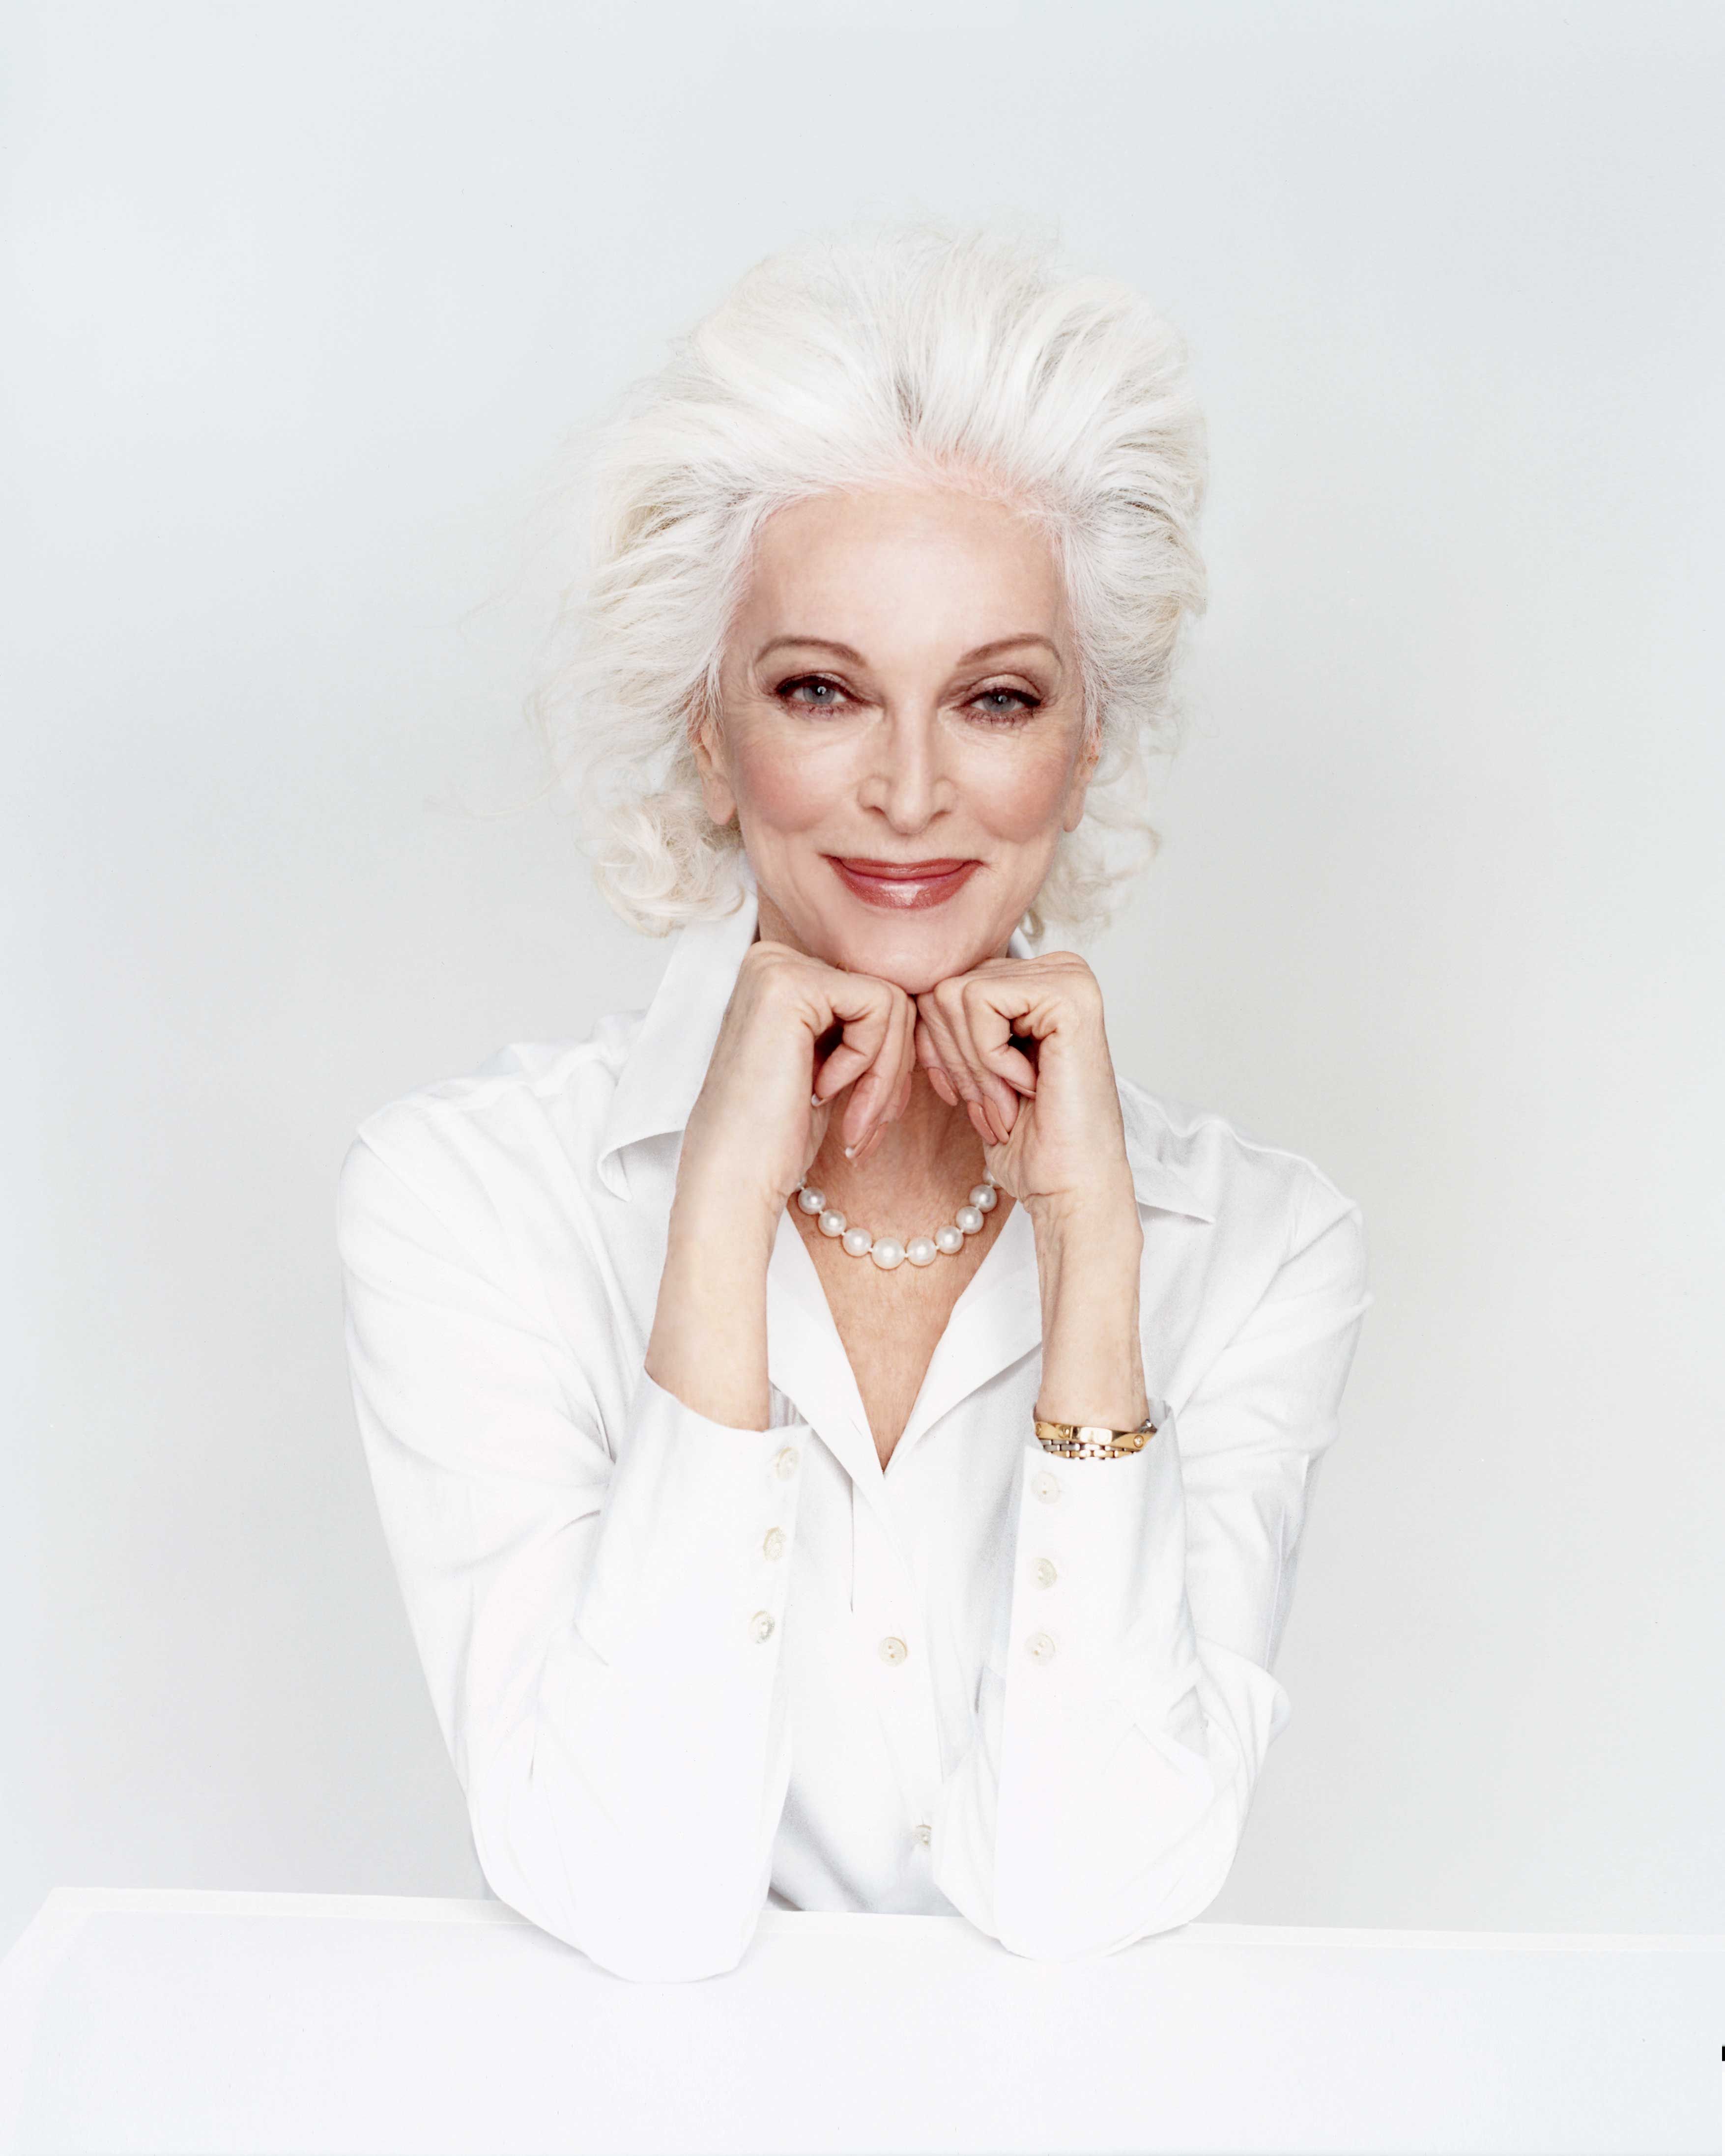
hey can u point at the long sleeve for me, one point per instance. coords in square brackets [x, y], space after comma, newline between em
[1123, 1722]
[598, 1613]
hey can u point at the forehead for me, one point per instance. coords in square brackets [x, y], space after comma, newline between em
[880, 568]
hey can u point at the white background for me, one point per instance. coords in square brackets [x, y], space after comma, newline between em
[302, 301]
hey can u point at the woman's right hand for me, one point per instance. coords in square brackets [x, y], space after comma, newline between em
[752, 1134]
[762, 1112]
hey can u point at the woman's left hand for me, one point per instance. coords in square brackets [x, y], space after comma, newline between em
[1048, 1111]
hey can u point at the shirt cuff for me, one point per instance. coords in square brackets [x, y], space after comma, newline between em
[695, 1540]
[1099, 1602]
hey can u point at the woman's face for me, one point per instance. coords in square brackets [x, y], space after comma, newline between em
[899, 691]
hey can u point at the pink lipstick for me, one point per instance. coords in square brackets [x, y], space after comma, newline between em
[903, 885]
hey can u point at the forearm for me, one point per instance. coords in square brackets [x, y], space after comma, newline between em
[1087, 1262]
[1086, 1811]
[708, 1345]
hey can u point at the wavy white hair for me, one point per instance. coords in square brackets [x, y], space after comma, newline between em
[903, 351]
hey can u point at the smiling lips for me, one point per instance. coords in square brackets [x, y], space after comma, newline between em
[903, 885]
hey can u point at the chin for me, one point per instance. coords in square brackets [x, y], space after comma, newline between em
[913, 952]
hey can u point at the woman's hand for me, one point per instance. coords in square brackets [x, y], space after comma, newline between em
[794, 1033]
[1047, 1110]
[1048, 1116]
[762, 1111]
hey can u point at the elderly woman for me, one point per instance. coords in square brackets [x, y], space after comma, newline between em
[839, 1440]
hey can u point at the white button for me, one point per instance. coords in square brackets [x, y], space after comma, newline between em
[786, 1463]
[761, 1625]
[775, 1544]
[893, 1650]
[922, 1834]
[1046, 1575]
[1039, 1647]
[1046, 1488]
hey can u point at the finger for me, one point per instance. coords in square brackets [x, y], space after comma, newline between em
[998, 1101]
[950, 1063]
[984, 1032]
[894, 1109]
[910, 1062]
[864, 1007]
[872, 1095]
[906, 1063]
[991, 1032]
[928, 1056]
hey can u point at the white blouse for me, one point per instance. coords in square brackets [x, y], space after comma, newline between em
[679, 1667]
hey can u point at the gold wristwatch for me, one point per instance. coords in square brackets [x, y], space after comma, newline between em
[1083, 1440]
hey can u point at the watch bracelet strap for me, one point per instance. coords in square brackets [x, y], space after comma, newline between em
[1070, 1441]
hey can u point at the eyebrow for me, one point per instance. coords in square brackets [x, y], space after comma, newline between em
[856, 659]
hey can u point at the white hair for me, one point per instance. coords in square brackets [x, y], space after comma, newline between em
[903, 351]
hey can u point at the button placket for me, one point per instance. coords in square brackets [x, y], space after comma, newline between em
[893, 1655]
[882, 1587]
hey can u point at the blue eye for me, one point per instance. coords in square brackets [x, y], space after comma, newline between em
[1004, 704]
[823, 695]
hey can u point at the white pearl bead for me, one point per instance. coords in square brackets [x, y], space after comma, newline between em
[811, 1201]
[832, 1224]
[921, 1250]
[887, 1252]
[857, 1241]
[984, 1198]
[969, 1219]
[949, 1239]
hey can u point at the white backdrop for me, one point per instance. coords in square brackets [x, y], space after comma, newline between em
[301, 301]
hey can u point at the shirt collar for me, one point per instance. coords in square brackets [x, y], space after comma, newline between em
[664, 1070]
[663, 1073]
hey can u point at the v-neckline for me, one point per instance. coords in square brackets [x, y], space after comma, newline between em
[996, 1319]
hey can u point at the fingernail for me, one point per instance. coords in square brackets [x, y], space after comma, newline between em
[814, 1100]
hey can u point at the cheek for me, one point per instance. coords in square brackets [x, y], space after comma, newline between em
[1020, 796]
[781, 789]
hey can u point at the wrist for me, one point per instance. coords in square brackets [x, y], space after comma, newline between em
[1089, 1258]
[715, 1211]
[1078, 1222]
[708, 1344]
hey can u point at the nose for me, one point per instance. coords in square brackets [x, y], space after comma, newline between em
[904, 778]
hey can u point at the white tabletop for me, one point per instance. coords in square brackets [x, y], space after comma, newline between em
[252, 2022]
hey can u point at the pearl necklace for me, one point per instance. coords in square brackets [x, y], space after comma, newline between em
[887, 1250]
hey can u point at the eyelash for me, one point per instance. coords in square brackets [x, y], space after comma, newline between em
[1029, 703]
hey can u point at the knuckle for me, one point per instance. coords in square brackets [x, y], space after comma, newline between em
[769, 966]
